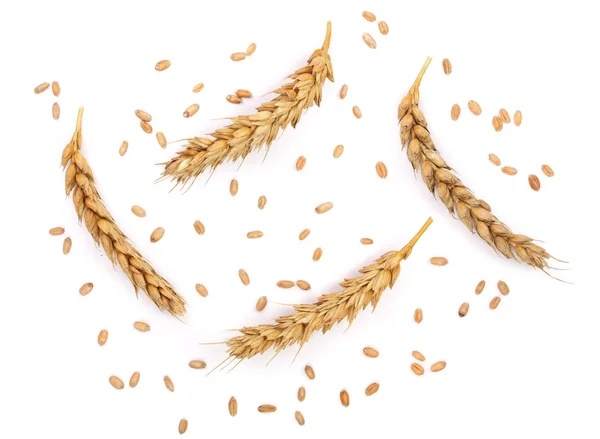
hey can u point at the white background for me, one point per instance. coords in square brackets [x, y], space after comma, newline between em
[527, 369]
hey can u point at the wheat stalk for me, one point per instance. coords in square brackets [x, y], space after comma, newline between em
[297, 328]
[247, 133]
[476, 214]
[79, 180]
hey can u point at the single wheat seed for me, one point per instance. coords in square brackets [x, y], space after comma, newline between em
[300, 163]
[56, 231]
[157, 234]
[55, 111]
[143, 115]
[138, 211]
[303, 285]
[67, 244]
[418, 316]
[238, 56]
[463, 309]
[366, 241]
[254, 234]
[503, 288]
[262, 201]
[447, 66]
[134, 380]
[201, 289]
[56, 88]
[303, 234]
[198, 87]
[455, 112]
[199, 227]
[509, 170]
[371, 352]
[324, 207]
[233, 99]
[344, 91]
[495, 302]
[267, 408]
[381, 170]
[169, 383]
[244, 276]
[383, 27]
[191, 110]
[356, 111]
[141, 326]
[123, 148]
[548, 171]
[317, 254]
[116, 382]
[232, 406]
[309, 371]
[162, 65]
[243, 93]
[438, 365]
[183, 425]
[417, 369]
[438, 261]
[497, 123]
[102, 337]
[286, 284]
[301, 393]
[233, 187]
[299, 418]
[518, 118]
[480, 286]
[86, 288]
[146, 127]
[197, 364]
[534, 182]
[504, 115]
[41, 88]
[369, 16]
[419, 356]
[474, 107]
[250, 49]
[369, 40]
[372, 389]
[344, 398]
[261, 303]
[161, 139]
[494, 159]
[338, 151]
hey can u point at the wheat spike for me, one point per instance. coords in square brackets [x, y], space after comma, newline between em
[440, 178]
[332, 308]
[251, 132]
[79, 180]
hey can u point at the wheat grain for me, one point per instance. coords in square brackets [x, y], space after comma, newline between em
[310, 372]
[438, 261]
[518, 118]
[439, 177]
[369, 16]
[369, 40]
[251, 49]
[503, 288]
[494, 159]
[254, 234]
[67, 244]
[299, 417]
[161, 139]
[381, 170]
[233, 99]
[162, 65]
[534, 182]
[238, 56]
[56, 231]
[324, 207]
[548, 171]
[249, 133]
[495, 302]
[86, 288]
[243, 94]
[41, 88]
[55, 88]
[497, 123]
[191, 110]
[370, 352]
[286, 284]
[141, 326]
[201, 289]
[509, 170]
[455, 112]
[157, 234]
[417, 369]
[169, 383]
[301, 394]
[474, 107]
[418, 315]
[199, 227]
[345, 398]
[480, 286]
[267, 408]
[261, 303]
[102, 337]
[197, 364]
[303, 285]
[262, 201]
[143, 115]
[232, 406]
[233, 187]
[183, 425]
[330, 309]
[463, 309]
[134, 380]
[198, 87]
[317, 254]
[419, 356]
[356, 111]
[300, 163]
[244, 276]
[89, 207]
[344, 91]
[504, 115]
[447, 66]
[366, 241]
[146, 127]
[123, 148]
[304, 234]
[438, 365]
[338, 151]
[372, 389]
[55, 111]
[383, 27]
[116, 382]
[138, 211]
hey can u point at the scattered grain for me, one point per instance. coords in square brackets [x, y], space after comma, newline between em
[534, 182]
[366, 241]
[494, 159]
[324, 207]
[197, 364]
[383, 28]
[183, 425]
[146, 127]
[504, 115]
[238, 56]
[102, 337]
[162, 140]
[198, 87]
[162, 65]
[138, 211]
[317, 254]
[55, 111]
[67, 244]
[261, 303]
[344, 398]
[419, 356]
[116, 382]
[518, 118]
[418, 316]
[463, 309]
[233, 187]
[300, 163]
[56, 88]
[503, 288]
[447, 66]
[356, 111]
[303, 285]
[509, 170]
[41, 88]
[497, 123]
[369, 16]
[372, 389]
[191, 110]
[233, 99]
[250, 49]
[267, 408]
[244, 276]
[123, 148]
[480, 286]
[495, 302]
[338, 151]
[417, 369]
[381, 170]
[286, 284]
[141, 326]
[262, 201]
[303, 234]
[299, 418]
[169, 383]
[438, 261]
[309, 371]
[243, 94]
[143, 115]
[199, 227]
[56, 231]
[371, 352]
[438, 365]
[201, 289]
[455, 112]
[232, 406]
[474, 107]
[134, 380]
[344, 91]
[254, 234]
[548, 171]
[301, 393]
[86, 288]
[157, 234]
[369, 40]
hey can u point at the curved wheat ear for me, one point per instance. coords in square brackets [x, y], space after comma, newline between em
[101, 225]
[476, 214]
[251, 132]
[296, 328]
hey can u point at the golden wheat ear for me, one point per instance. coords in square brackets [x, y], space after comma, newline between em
[441, 179]
[330, 309]
[251, 132]
[79, 181]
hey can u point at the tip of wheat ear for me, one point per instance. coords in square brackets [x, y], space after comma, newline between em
[79, 181]
[460, 201]
[252, 132]
[330, 309]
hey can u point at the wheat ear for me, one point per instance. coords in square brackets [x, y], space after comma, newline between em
[247, 133]
[332, 308]
[79, 180]
[476, 214]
